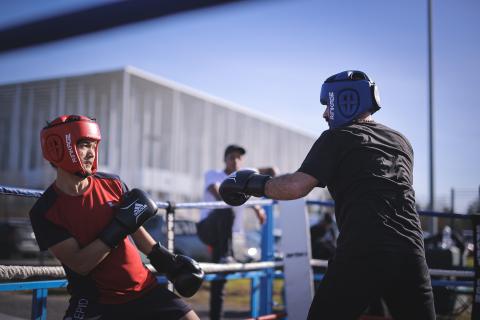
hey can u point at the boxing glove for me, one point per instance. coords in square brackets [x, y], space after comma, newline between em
[134, 209]
[184, 272]
[237, 188]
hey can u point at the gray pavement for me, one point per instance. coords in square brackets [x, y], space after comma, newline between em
[17, 306]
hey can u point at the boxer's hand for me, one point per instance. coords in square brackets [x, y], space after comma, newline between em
[135, 208]
[237, 188]
[184, 272]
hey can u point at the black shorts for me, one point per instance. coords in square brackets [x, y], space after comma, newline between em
[352, 284]
[217, 227]
[158, 303]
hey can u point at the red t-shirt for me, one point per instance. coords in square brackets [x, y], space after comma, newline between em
[56, 216]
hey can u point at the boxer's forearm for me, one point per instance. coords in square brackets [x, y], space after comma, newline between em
[143, 240]
[290, 186]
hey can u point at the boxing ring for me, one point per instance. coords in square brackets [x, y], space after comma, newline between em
[261, 274]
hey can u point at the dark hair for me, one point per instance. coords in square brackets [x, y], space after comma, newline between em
[234, 148]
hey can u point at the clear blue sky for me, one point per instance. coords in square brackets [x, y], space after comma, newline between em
[272, 57]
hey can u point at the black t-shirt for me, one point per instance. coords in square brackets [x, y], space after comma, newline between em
[367, 168]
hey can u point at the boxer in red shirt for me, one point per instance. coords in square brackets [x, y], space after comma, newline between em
[85, 219]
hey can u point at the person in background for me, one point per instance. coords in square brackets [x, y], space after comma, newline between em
[323, 238]
[216, 227]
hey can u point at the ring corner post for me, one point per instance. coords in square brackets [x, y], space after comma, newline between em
[255, 303]
[268, 249]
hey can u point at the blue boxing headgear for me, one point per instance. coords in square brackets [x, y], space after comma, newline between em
[348, 94]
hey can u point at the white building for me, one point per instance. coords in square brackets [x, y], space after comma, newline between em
[156, 134]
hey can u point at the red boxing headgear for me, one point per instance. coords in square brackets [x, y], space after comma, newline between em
[59, 142]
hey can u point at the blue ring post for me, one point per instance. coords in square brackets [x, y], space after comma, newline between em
[255, 298]
[476, 266]
[39, 304]
[268, 248]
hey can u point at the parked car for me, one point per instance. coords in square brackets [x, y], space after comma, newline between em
[247, 248]
[17, 239]
[186, 239]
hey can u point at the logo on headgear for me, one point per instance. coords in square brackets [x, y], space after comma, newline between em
[331, 104]
[68, 140]
[348, 102]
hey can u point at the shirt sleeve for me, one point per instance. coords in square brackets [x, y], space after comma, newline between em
[123, 186]
[46, 232]
[320, 160]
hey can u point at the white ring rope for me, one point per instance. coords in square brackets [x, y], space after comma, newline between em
[25, 272]
[452, 273]
[35, 193]
[221, 204]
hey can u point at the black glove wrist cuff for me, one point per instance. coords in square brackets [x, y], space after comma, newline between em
[113, 234]
[162, 259]
[256, 185]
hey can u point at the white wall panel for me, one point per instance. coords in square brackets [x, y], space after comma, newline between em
[157, 134]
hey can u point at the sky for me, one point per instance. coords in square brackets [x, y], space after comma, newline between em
[273, 56]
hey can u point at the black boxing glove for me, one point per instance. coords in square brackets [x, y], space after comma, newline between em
[237, 188]
[134, 209]
[184, 272]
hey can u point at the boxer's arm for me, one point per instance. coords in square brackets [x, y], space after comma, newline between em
[237, 187]
[260, 213]
[184, 272]
[143, 240]
[81, 260]
[290, 186]
[84, 260]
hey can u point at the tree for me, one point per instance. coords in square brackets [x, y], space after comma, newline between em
[474, 207]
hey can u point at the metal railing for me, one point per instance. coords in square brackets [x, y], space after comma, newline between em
[261, 273]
